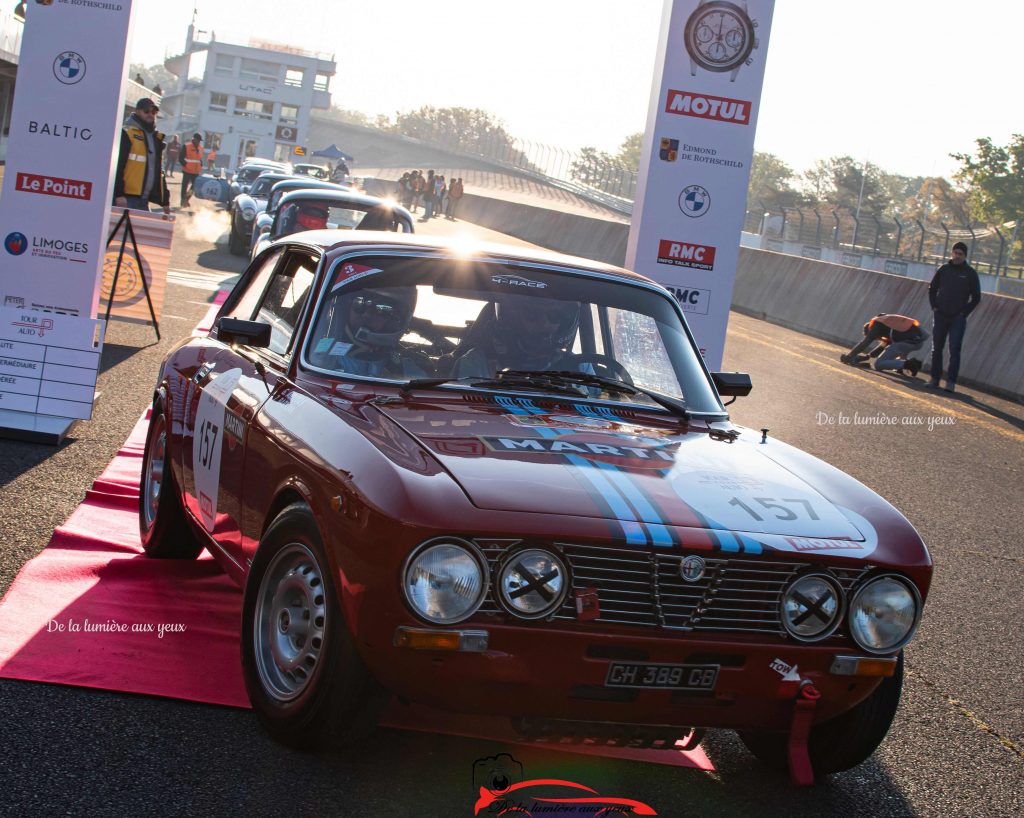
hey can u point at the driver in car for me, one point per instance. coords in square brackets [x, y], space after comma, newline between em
[363, 336]
[529, 333]
[303, 216]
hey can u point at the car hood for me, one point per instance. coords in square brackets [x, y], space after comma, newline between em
[648, 480]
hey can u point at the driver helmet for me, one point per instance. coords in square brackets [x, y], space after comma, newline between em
[311, 217]
[535, 326]
[378, 317]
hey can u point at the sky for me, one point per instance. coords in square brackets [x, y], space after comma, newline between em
[901, 83]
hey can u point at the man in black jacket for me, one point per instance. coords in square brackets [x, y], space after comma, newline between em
[140, 178]
[954, 292]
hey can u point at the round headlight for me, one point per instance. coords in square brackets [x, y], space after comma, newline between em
[812, 607]
[248, 213]
[445, 582]
[532, 583]
[884, 614]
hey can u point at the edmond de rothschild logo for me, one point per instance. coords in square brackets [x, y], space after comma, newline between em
[705, 106]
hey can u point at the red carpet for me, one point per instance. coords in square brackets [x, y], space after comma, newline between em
[92, 611]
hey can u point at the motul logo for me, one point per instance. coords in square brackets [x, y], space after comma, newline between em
[681, 254]
[704, 106]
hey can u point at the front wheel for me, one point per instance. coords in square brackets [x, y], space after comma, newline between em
[842, 742]
[305, 678]
[236, 243]
[165, 532]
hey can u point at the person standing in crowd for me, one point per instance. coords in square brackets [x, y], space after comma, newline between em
[455, 191]
[191, 167]
[139, 179]
[428, 197]
[417, 189]
[211, 157]
[172, 151]
[954, 293]
[440, 191]
[889, 338]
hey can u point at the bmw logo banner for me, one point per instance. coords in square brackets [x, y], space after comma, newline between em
[695, 162]
[64, 133]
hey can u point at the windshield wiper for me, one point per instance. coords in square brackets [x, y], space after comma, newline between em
[560, 381]
[674, 405]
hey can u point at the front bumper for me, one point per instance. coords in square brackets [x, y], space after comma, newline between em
[560, 673]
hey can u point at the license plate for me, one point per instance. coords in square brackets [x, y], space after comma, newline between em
[671, 677]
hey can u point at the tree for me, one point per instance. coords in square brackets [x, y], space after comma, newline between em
[844, 182]
[994, 178]
[154, 75]
[629, 151]
[348, 115]
[770, 182]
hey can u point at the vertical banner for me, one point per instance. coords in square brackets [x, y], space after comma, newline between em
[695, 163]
[153, 234]
[64, 138]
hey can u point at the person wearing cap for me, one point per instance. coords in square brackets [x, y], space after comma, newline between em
[954, 293]
[139, 179]
[191, 166]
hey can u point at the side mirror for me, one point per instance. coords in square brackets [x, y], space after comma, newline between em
[240, 331]
[732, 384]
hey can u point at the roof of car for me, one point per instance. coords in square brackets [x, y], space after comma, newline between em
[304, 182]
[335, 243]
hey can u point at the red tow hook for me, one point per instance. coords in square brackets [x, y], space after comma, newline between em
[800, 771]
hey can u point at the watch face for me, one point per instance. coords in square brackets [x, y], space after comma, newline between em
[719, 36]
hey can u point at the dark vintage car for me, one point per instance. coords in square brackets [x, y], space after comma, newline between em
[245, 207]
[266, 217]
[498, 482]
[319, 208]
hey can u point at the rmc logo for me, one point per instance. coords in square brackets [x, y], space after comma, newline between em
[683, 254]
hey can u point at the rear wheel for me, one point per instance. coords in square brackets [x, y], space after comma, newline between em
[165, 532]
[842, 742]
[305, 678]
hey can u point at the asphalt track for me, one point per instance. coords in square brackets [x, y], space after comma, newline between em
[956, 749]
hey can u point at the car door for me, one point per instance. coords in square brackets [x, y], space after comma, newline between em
[214, 432]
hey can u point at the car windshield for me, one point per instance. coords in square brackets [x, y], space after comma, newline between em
[489, 325]
[248, 174]
[261, 187]
[310, 213]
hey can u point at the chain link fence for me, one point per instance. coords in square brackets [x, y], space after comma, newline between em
[996, 250]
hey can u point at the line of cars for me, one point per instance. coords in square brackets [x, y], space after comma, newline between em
[274, 200]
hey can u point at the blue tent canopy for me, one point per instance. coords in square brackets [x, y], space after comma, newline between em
[332, 151]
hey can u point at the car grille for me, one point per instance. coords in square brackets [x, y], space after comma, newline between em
[644, 587]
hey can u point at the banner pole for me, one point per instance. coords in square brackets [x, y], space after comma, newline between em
[142, 274]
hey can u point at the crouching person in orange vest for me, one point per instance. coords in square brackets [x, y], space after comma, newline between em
[893, 337]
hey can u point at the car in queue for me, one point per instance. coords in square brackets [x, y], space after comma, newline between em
[312, 171]
[245, 207]
[250, 170]
[265, 219]
[321, 208]
[495, 481]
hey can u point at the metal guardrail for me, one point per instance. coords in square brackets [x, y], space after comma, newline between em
[993, 249]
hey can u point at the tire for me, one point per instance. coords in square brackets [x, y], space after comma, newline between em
[310, 688]
[237, 244]
[842, 742]
[163, 527]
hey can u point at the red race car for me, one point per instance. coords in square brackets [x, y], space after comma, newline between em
[501, 482]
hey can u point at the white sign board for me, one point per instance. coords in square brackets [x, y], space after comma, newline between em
[64, 137]
[48, 363]
[695, 163]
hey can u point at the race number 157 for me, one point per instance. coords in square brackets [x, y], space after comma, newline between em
[207, 440]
